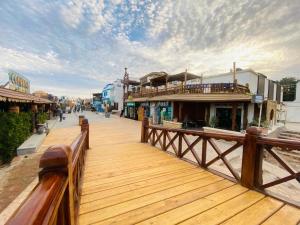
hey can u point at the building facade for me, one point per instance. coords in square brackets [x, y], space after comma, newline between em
[215, 101]
[112, 94]
[293, 107]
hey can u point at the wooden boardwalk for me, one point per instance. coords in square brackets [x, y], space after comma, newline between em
[127, 182]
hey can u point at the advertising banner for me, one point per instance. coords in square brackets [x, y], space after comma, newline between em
[17, 82]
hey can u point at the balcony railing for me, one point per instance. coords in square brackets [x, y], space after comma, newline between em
[212, 88]
[252, 147]
[55, 200]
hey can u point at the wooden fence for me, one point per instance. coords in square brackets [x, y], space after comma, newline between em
[55, 199]
[253, 145]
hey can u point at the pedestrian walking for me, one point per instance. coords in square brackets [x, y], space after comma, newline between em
[60, 114]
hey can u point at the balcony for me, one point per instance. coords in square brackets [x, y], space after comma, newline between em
[211, 88]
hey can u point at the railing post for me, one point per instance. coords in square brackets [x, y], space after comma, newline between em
[58, 158]
[144, 131]
[251, 175]
[153, 137]
[204, 150]
[51, 202]
[164, 139]
[179, 153]
[86, 127]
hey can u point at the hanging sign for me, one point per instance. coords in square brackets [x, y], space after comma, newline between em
[257, 99]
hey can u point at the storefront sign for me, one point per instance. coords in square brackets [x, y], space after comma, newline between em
[145, 104]
[257, 99]
[130, 103]
[162, 104]
[18, 82]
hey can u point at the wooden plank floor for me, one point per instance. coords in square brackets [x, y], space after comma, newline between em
[127, 182]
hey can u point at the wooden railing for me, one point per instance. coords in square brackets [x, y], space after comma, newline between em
[250, 148]
[55, 199]
[212, 88]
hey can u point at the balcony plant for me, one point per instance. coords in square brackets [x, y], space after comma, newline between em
[213, 122]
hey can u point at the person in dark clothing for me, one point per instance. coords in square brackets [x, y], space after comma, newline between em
[60, 114]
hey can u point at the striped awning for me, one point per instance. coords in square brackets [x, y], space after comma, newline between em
[16, 96]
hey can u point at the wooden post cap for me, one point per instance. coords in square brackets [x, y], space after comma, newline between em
[56, 156]
[145, 121]
[85, 121]
[253, 131]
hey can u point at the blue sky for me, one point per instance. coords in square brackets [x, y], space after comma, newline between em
[75, 47]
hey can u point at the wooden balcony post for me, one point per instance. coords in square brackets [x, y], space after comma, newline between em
[144, 131]
[251, 175]
[58, 158]
[204, 150]
[86, 127]
[164, 139]
[179, 153]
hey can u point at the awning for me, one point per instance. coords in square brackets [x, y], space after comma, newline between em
[16, 96]
[181, 77]
[160, 78]
[197, 98]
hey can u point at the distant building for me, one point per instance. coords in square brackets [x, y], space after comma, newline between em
[97, 102]
[41, 94]
[106, 94]
[112, 94]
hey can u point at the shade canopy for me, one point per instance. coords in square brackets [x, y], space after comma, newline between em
[16, 96]
[156, 79]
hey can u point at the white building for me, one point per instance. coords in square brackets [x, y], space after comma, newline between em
[258, 84]
[112, 94]
[117, 94]
[293, 107]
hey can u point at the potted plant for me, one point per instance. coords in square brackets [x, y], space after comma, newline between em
[265, 127]
[213, 122]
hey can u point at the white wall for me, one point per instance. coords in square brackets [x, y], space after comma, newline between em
[243, 77]
[266, 89]
[293, 108]
[117, 93]
[275, 92]
[250, 112]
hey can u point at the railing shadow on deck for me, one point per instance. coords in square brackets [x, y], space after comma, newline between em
[56, 198]
[253, 146]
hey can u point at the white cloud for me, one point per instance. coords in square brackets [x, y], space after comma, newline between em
[72, 13]
[203, 36]
[21, 60]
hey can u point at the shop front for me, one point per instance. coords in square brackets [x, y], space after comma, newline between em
[160, 111]
[143, 110]
[229, 116]
[191, 114]
[131, 110]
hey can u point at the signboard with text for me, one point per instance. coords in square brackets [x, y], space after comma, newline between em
[17, 82]
[257, 99]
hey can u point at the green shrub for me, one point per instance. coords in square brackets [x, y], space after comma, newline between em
[14, 130]
[42, 117]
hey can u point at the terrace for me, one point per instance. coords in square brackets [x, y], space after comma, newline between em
[107, 177]
[182, 84]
